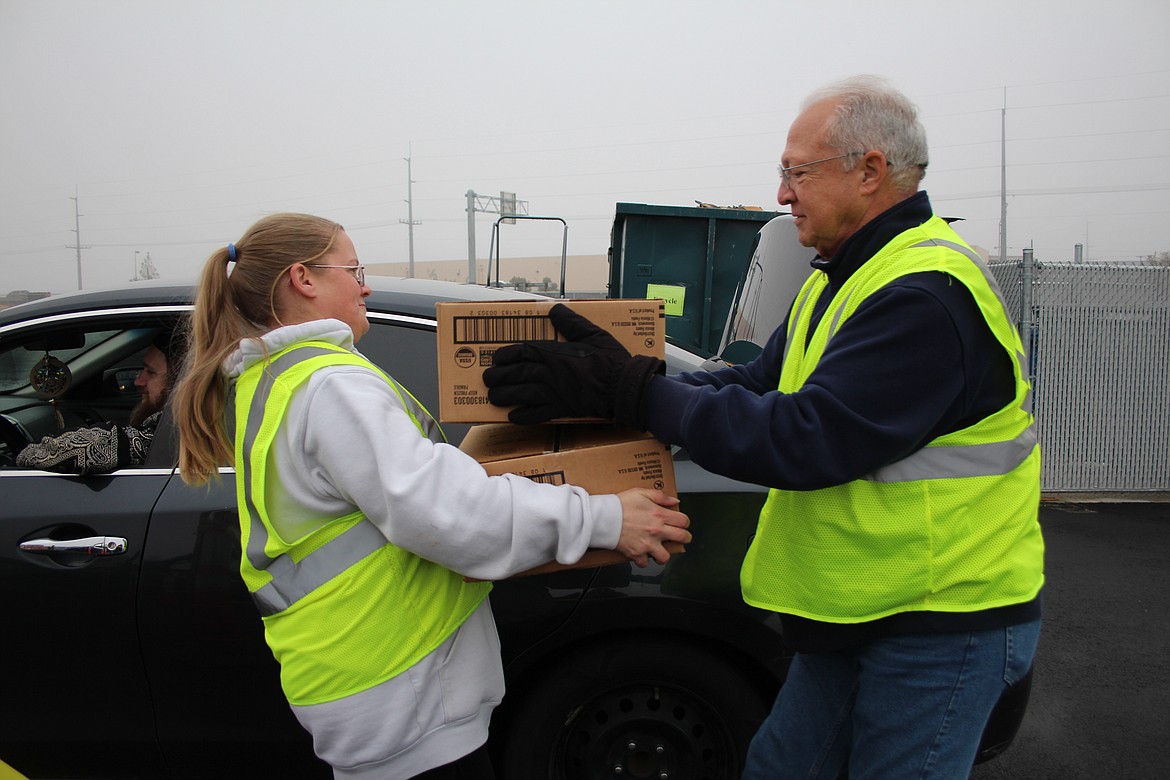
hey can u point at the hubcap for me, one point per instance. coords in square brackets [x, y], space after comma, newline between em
[646, 732]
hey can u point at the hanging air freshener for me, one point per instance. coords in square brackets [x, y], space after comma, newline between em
[51, 378]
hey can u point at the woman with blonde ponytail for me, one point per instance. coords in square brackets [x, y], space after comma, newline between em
[367, 542]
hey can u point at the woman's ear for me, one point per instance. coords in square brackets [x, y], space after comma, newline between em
[301, 280]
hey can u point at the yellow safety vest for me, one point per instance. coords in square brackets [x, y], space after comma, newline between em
[343, 608]
[952, 527]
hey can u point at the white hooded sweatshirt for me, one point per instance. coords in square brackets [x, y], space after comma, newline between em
[347, 442]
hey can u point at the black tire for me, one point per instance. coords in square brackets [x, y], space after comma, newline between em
[653, 708]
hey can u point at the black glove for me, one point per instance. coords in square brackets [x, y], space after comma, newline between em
[590, 375]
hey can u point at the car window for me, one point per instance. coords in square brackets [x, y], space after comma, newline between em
[61, 374]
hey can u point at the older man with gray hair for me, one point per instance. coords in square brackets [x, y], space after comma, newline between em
[891, 419]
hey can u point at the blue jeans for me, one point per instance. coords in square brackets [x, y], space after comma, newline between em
[895, 708]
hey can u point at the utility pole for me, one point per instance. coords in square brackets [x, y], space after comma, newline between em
[77, 231]
[1003, 180]
[409, 221]
[490, 204]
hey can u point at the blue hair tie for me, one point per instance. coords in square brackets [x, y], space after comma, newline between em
[231, 253]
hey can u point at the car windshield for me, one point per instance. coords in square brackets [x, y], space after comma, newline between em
[17, 359]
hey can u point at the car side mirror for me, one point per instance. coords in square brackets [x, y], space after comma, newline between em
[120, 382]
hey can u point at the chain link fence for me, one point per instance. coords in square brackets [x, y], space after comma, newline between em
[1098, 342]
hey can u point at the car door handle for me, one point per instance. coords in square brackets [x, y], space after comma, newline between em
[89, 545]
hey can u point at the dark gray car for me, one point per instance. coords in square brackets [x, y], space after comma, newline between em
[133, 650]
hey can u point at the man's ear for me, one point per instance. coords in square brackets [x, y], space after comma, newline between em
[874, 170]
[301, 280]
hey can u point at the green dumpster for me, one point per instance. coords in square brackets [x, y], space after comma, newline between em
[693, 257]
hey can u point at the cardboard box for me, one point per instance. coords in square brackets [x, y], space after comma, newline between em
[599, 458]
[469, 333]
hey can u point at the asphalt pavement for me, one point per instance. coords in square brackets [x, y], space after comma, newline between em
[1100, 704]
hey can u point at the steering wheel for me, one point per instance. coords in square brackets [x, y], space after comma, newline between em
[12, 440]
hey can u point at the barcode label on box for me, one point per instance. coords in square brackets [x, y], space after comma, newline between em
[503, 329]
[549, 477]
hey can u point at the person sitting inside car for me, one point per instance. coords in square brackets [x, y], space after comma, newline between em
[108, 447]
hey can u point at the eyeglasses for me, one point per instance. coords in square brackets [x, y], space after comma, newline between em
[786, 173]
[358, 271]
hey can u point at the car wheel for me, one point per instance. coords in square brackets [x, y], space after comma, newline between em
[636, 709]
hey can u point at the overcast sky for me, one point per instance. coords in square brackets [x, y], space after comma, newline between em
[175, 125]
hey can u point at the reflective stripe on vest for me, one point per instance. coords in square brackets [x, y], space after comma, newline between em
[968, 460]
[293, 580]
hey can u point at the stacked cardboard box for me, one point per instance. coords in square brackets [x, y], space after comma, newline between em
[598, 457]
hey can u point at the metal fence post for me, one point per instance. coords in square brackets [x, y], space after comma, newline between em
[1027, 326]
